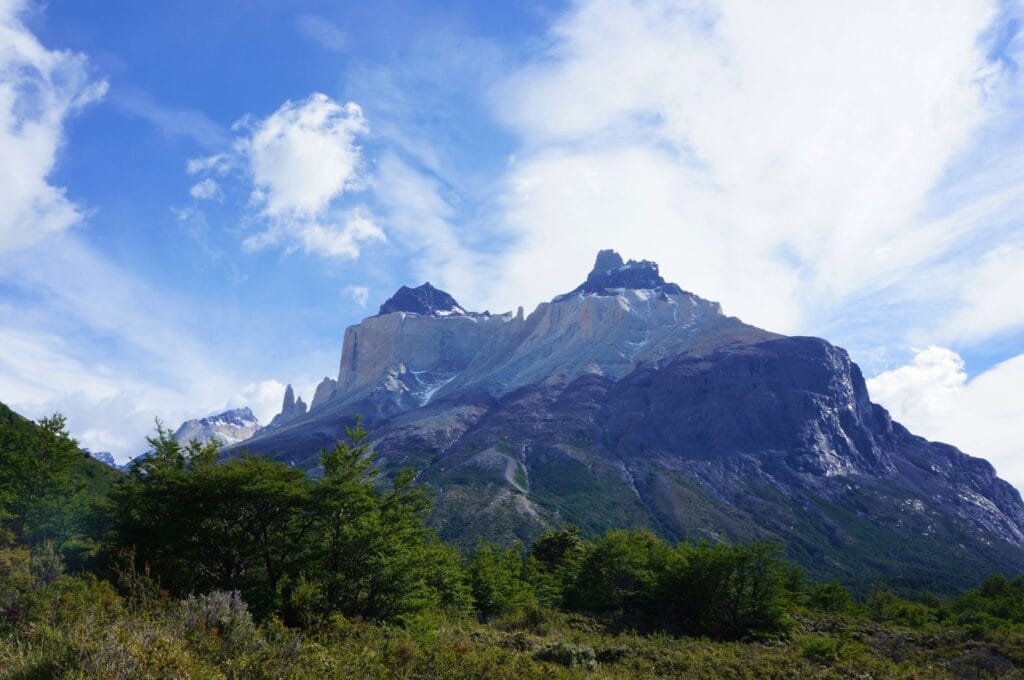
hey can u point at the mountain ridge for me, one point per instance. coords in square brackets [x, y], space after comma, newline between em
[615, 406]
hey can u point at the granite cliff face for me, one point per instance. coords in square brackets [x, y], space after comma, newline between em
[631, 402]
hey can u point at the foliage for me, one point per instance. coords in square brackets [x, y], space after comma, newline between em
[35, 478]
[249, 568]
[499, 580]
[80, 627]
[829, 596]
[293, 546]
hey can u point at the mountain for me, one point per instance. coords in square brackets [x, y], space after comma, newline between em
[230, 427]
[104, 457]
[629, 402]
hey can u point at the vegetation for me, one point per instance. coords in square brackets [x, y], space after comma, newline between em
[191, 567]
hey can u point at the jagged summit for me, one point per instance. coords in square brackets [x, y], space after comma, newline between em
[291, 408]
[229, 427]
[611, 274]
[236, 416]
[425, 300]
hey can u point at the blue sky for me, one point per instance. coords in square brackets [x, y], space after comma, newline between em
[198, 197]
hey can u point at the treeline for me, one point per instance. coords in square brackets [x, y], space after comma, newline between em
[304, 550]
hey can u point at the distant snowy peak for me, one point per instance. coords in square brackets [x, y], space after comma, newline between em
[424, 300]
[104, 457]
[229, 427]
[611, 275]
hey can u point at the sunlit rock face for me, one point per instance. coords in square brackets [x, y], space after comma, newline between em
[629, 402]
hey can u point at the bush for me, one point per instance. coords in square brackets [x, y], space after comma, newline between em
[621, 575]
[728, 591]
[569, 655]
[830, 597]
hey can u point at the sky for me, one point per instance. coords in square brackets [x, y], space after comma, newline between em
[196, 198]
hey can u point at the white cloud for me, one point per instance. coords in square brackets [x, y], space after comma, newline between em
[334, 238]
[304, 155]
[779, 159]
[219, 163]
[415, 209]
[359, 294]
[87, 338]
[205, 190]
[301, 160]
[323, 32]
[39, 89]
[923, 390]
[983, 416]
[991, 296]
[171, 122]
[264, 398]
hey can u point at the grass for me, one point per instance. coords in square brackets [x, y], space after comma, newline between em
[81, 627]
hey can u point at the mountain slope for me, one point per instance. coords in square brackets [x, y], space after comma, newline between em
[631, 402]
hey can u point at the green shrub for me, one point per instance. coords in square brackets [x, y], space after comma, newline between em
[830, 597]
[569, 655]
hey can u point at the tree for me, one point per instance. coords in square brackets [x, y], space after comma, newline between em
[727, 591]
[499, 579]
[35, 475]
[200, 525]
[375, 555]
[621, 574]
[557, 557]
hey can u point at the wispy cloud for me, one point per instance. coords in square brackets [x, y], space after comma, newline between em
[39, 90]
[137, 352]
[359, 294]
[323, 32]
[170, 121]
[776, 159]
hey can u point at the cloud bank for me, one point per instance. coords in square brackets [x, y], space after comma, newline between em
[933, 397]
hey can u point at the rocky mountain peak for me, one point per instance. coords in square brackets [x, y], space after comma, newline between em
[648, 399]
[610, 275]
[229, 427]
[425, 300]
[291, 408]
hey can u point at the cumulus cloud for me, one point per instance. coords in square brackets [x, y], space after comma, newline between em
[39, 90]
[301, 160]
[304, 155]
[923, 390]
[982, 416]
[779, 159]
